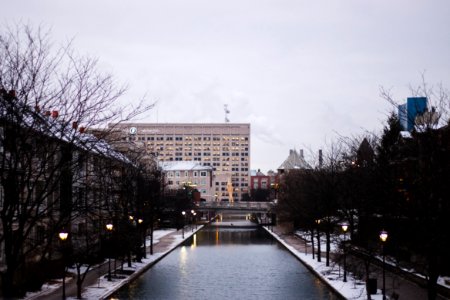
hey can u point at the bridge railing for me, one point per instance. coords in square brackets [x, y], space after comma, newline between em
[235, 205]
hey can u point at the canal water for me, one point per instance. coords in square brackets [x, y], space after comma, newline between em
[227, 263]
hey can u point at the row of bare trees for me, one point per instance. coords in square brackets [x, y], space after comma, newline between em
[53, 175]
[396, 182]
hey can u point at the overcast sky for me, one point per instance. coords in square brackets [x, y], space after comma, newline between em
[300, 72]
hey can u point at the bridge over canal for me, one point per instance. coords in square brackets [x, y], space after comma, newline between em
[236, 207]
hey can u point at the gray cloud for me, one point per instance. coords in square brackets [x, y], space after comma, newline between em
[297, 70]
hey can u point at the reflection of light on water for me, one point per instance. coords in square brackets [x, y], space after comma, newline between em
[187, 274]
[194, 242]
[183, 260]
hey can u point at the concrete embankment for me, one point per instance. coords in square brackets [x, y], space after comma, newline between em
[294, 245]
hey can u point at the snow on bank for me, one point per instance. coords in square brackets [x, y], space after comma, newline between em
[103, 288]
[352, 289]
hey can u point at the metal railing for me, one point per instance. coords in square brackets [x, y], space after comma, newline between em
[260, 206]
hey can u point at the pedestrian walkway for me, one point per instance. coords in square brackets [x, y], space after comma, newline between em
[96, 286]
[397, 286]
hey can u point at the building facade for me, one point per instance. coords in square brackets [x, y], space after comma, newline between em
[223, 147]
[408, 112]
[67, 181]
[178, 174]
[259, 181]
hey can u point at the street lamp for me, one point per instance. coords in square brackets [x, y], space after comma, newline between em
[383, 238]
[143, 235]
[192, 220]
[63, 237]
[184, 221]
[319, 259]
[109, 228]
[195, 220]
[344, 229]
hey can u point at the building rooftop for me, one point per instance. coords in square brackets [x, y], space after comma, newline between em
[183, 166]
[256, 173]
[294, 161]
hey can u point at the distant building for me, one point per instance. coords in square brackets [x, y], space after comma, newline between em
[295, 161]
[402, 116]
[223, 147]
[259, 180]
[408, 112]
[188, 173]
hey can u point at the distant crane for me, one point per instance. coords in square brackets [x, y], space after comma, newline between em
[227, 112]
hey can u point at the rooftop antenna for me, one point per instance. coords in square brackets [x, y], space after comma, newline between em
[225, 108]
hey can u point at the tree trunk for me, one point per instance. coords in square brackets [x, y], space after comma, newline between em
[79, 286]
[312, 242]
[328, 247]
[433, 276]
[319, 254]
[367, 269]
[7, 284]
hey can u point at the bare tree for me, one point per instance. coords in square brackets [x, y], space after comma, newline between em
[49, 96]
[437, 112]
[422, 171]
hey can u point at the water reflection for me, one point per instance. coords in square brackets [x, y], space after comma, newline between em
[227, 263]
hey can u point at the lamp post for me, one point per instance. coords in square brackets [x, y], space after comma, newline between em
[195, 220]
[319, 259]
[109, 228]
[383, 238]
[344, 229]
[184, 221]
[63, 237]
[192, 220]
[143, 235]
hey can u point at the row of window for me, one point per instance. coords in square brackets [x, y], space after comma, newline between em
[186, 173]
[180, 138]
[169, 151]
[201, 182]
[233, 184]
[198, 155]
[215, 146]
[179, 147]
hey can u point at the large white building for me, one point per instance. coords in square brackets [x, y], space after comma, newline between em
[189, 173]
[224, 147]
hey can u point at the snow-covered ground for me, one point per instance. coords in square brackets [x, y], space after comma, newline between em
[352, 289]
[336, 239]
[103, 287]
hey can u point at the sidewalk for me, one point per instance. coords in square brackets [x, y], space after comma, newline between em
[96, 285]
[353, 288]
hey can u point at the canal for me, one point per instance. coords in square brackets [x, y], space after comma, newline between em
[227, 263]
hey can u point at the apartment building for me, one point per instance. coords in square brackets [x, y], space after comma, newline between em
[64, 180]
[180, 173]
[224, 147]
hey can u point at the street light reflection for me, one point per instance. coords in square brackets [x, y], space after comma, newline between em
[194, 242]
[183, 257]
